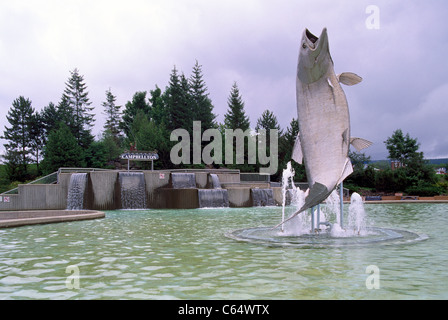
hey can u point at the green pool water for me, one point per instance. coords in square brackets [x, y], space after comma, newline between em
[185, 254]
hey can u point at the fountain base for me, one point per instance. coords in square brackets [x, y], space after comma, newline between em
[276, 238]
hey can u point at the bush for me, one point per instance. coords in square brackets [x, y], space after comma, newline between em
[425, 190]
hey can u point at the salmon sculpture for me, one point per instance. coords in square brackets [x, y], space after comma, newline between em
[324, 121]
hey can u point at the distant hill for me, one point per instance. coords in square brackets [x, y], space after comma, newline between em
[441, 161]
[438, 161]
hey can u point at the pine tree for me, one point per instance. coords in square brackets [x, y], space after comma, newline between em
[37, 132]
[18, 149]
[131, 109]
[159, 112]
[268, 121]
[236, 118]
[201, 103]
[62, 150]
[50, 118]
[177, 100]
[75, 99]
[112, 111]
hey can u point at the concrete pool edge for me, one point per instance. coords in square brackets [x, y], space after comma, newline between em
[9, 219]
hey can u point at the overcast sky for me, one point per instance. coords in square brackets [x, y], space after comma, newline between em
[131, 46]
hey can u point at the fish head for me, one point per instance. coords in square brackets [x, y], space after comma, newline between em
[314, 57]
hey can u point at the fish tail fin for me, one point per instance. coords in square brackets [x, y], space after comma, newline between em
[316, 195]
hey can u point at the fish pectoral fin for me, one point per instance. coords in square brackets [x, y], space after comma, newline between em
[360, 143]
[297, 154]
[349, 78]
[348, 169]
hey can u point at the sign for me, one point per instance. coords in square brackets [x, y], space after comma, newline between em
[161, 176]
[140, 156]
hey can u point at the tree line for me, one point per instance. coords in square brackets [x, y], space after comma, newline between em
[60, 135]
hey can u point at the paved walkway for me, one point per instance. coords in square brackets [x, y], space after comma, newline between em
[23, 218]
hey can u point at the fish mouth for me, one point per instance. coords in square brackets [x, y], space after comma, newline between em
[314, 42]
[311, 37]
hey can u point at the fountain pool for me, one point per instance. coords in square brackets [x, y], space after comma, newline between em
[185, 254]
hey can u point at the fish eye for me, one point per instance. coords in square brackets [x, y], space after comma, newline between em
[304, 45]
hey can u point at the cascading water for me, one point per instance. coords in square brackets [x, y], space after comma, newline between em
[183, 180]
[76, 190]
[215, 181]
[213, 198]
[133, 190]
[262, 197]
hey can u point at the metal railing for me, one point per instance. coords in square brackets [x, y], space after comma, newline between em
[53, 178]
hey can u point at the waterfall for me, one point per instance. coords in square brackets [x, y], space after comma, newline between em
[213, 198]
[183, 180]
[262, 197]
[76, 190]
[215, 181]
[133, 190]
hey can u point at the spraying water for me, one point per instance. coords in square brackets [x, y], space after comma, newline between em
[357, 215]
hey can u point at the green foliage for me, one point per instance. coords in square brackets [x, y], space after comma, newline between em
[112, 111]
[286, 146]
[200, 102]
[403, 148]
[76, 109]
[62, 150]
[131, 109]
[20, 136]
[236, 118]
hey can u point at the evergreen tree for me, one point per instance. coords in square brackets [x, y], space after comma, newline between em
[112, 111]
[236, 118]
[286, 146]
[75, 99]
[159, 112]
[50, 118]
[201, 103]
[18, 149]
[62, 150]
[176, 98]
[37, 132]
[131, 109]
[268, 121]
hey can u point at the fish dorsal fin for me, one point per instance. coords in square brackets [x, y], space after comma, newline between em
[349, 78]
[297, 154]
[360, 143]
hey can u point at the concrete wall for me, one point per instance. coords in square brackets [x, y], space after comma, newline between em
[103, 184]
[154, 181]
[38, 196]
[239, 197]
[179, 198]
[103, 192]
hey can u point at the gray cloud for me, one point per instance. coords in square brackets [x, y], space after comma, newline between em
[133, 46]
